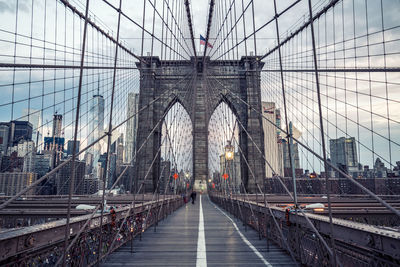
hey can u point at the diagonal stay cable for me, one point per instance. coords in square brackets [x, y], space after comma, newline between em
[383, 202]
[53, 171]
[189, 19]
[117, 180]
[209, 23]
[144, 180]
[287, 190]
[145, 30]
[258, 187]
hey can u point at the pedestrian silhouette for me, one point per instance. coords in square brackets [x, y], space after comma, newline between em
[193, 196]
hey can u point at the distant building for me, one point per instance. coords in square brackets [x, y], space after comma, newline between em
[380, 171]
[396, 169]
[42, 167]
[12, 163]
[42, 164]
[286, 159]
[127, 179]
[70, 147]
[120, 151]
[131, 127]
[117, 148]
[27, 150]
[19, 130]
[91, 185]
[57, 125]
[4, 132]
[55, 147]
[35, 118]
[24, 147]
[63, 178]
[89, 163]
[96, 128]
[112, 170]
[101, 166]
[343, 154]
[272, 144]
[232, 168]
[13, 182]
[388, 186]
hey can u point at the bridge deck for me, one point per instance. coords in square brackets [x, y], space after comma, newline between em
[178, 242]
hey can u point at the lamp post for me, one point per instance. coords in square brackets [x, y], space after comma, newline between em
[229, 155]
[229, 151]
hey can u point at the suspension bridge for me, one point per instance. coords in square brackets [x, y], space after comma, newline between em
[195, 133]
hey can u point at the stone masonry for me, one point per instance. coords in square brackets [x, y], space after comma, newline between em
[200, 89]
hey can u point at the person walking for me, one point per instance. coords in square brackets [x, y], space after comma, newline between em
[193, 196]
[184, 198]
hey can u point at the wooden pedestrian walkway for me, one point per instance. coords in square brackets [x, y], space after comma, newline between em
[199, 235]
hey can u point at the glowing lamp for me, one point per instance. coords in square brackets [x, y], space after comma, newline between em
[229, 151]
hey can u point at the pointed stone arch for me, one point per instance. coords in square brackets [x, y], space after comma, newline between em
[236, 82]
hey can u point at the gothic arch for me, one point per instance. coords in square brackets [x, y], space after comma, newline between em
[242, 81]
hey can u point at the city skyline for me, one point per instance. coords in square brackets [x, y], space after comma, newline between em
[268, 128]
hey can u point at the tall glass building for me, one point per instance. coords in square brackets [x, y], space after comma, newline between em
[343, 153]
[272, 139]
[96, 128]
[131, 127]
[35, 117]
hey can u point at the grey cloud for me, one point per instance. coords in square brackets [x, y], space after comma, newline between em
[10, 6]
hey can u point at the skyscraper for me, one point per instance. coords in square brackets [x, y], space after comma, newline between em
[70, 147]
[4, 130]
[35, 118]
[96, 127]
[57, 125]
[54, 145]
[131, 127]
[286, 156]
[295, 151]
[343, 153]
[272, 143]
[19, 130]
[27, 150]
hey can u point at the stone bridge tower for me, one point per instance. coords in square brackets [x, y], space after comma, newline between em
[200, 89]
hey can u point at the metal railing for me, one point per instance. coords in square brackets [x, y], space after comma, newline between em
[42, 245]
[357, 244]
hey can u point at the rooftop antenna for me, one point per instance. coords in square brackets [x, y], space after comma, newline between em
[48, 131]
[98, 84]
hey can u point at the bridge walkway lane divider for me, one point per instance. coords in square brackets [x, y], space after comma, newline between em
[176, 242]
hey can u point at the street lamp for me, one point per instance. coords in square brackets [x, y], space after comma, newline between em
[229, 151]
[229, 155]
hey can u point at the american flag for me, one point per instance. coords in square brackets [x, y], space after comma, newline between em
[203, 41]
[269, 110]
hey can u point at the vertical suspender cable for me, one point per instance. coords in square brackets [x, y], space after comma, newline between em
[67, 230]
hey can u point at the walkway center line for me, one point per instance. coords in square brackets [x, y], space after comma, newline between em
[245, 240]
[201, 260]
